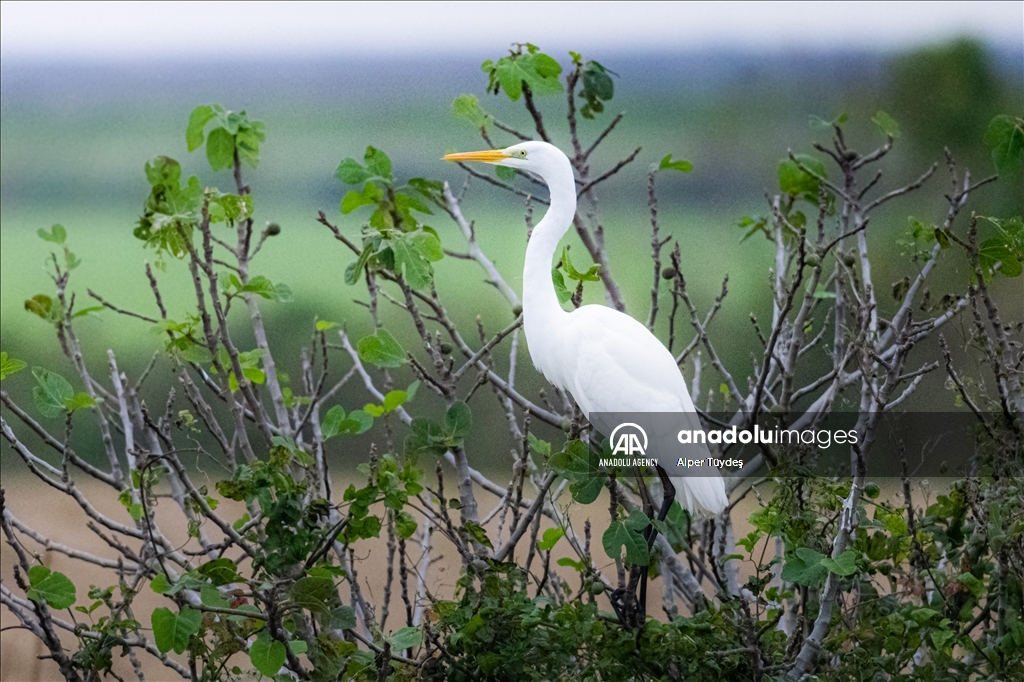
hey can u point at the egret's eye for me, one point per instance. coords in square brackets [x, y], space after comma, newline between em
[521, 153]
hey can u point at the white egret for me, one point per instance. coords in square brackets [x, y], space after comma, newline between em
[608, 361]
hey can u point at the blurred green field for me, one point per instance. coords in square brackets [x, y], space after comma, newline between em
[74, 139]
[308, 258]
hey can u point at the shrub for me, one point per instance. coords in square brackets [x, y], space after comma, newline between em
[840, 582]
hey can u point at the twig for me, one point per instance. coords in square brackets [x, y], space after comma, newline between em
[604, 176]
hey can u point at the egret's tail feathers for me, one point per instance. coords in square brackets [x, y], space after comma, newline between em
[705, 492]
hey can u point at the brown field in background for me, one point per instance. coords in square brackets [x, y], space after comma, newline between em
[58, 517]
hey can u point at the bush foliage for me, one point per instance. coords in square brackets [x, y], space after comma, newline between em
[837, 581]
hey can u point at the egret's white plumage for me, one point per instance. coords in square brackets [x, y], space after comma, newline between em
[608, 361]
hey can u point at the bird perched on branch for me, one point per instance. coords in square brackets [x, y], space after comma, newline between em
[608, 361]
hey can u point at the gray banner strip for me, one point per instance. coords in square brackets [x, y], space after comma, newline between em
[933, 443]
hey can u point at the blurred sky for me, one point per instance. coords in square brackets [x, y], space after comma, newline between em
[109, 30]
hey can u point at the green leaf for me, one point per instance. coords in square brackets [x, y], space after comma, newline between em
[677, 524]
[405, 525]
[254, 374]
[381, 350]
[428, 244]
[414, 251]
[343, 618]
[996, 250]
[821, 292]
[637, 520]
[87, 311]
[573, 462]
[331, 424]
[229, 207]
[336, 422]
[42, 305]
[220, 149]
[163, 171]
[378, 163]
[941, 637]
[71, 261]
[536, 69]
[795, 181]
[570, 563]
[563, 293]
[211, 596]
[50, 587]
[598, 88]
[222, 571]
[57, 234]
[354, 270]
[468, 107]
[627, 533]
[896, 524]
[10, 365]
[505, 173]
[197, 121]
[248, 139]
[406, 638]
[972, 583]
[261, 286]
[52, 394]
[247, 608]
[357, 422]
[173, 630]
[668, 163]
[160, 584]
[351, 172]
[267, 655]
[283, 293]
[458, 420]
[877, 546]
[538, 446]
[550, 538]
[845, 564]
[1005, 136]
[134, 508]
[313, 593]
[298, 646]
[887, 124]
[393, 399]
[431, 189]
[572, 273]
[427, 436]
[923, 615]
[587, 490]
[805, 568]
[478, 533]
[818, 123]
[354, 199]
[597, 81]
[324, 325]
[79, 401]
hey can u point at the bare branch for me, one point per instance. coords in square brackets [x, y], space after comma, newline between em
[611, 172]
[474, 250]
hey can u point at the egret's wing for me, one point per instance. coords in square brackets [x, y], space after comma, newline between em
[619, 366]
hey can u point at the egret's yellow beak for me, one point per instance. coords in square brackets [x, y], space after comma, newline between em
[489, 156]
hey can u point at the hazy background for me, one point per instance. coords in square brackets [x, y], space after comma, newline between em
[90, 91]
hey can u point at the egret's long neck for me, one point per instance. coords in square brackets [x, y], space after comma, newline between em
[541, 310]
